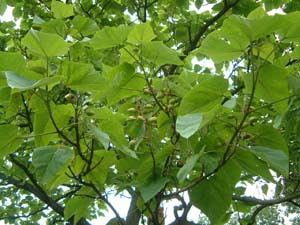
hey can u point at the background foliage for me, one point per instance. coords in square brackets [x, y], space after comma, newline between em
[102, 95]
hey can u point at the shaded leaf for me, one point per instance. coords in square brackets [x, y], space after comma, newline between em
[253, 165]
[151, 187]
[213, 196]
[188, 166]
[271, 85]
[77, 206]
[49, 161]
[9, 140]
[205, 96]
[102, 137]
[2, 7]
[276, 158]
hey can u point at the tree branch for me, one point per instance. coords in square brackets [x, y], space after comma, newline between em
[34, 190]
[133, 214]
[267, 202]
[30, 126]
[194, 42]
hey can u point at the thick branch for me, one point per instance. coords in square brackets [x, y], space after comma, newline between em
[267, 202]
[34, 190]
[134, 214]
[39, 193]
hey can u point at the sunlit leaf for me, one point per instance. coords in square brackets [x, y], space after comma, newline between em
[110, 37]
[45, 44]
[61, 10]
[160, 54]
[188, 124]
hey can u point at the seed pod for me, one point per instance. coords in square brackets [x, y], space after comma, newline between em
[148, 106]
[89, 113]
[131, 110]
[132, 142]
[131, 118]
[147, 90]
[245, 136]
[173, 101]
[159, 95]
[252, 120]
[140, 118]
[152, 119]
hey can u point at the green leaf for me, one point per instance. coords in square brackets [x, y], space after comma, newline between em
[259, 12]
[11, 61]
[92, 82]
[273, 4]
[102, 163]
[205, 96]
[271, 147]
[40, 120]
[9, 140]
[45, 44]
[289, 26]
[265, 51]
[276, 158]
[77, 206]
[102, 137]
[198, 3]
[229, 42]
[188, 166]
[213, 196]
[75, 72]
[115, 130]
[152, 186]
[16, 81]
[188, 124]
[271, 85]
[268, 136]
[85, 26]
[128, 151]
[141, 33]
[159, 54]
[123, 83]
[61, 10]
[253, 165]
[49, 161]
[2, 7]
[110, 37]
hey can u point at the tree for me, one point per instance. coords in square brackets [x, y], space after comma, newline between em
[117, 95]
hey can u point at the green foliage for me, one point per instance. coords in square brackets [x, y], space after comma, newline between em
[218, 189]
[152, 99]
[50, 161]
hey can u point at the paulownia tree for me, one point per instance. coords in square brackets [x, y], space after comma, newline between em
[115, 95]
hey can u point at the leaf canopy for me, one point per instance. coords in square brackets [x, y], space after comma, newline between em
[152, 100]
